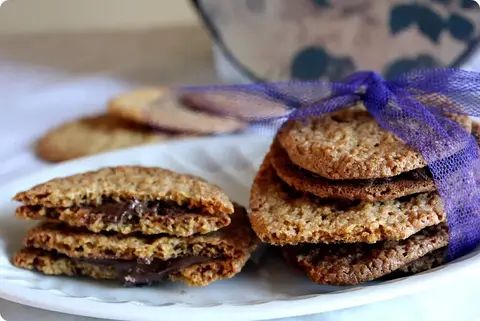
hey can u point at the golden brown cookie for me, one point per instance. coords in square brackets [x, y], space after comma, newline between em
[128, 184]
[350, 144]
[281, 215]
[443, 102]
[198, 274]
[95, 134]
[246, 106]
[380, 189]
[160, 107]
[350, 264]
[77, 243]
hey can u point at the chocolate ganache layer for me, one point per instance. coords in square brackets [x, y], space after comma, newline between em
[130, 210]
[146, 271]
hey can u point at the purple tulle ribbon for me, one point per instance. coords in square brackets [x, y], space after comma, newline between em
[413, 106]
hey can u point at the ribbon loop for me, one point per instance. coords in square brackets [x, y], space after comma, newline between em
[372, 88]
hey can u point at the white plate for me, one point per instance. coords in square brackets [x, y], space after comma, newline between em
[265, 290]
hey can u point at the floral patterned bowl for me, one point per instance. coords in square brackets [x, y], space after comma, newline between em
[326, 39]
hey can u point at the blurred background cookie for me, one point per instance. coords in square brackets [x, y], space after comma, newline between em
[238, 104]
[92, 135]
[159, 107]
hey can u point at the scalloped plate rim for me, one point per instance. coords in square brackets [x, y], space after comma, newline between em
[259, 309]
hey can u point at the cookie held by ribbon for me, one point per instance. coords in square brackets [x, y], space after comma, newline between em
[378, 179]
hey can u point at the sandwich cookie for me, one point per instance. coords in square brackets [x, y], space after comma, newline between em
[130, 199]
[55, 248]
[351, 264]
[380, 189]
[139, 225]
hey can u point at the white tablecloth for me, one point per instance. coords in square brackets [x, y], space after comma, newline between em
[34, 99]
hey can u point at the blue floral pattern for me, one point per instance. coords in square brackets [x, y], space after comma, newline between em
[315, 63]
[322, 3]
[460, 27]
[406, 64]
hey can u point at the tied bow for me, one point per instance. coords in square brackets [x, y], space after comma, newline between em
[418, 108]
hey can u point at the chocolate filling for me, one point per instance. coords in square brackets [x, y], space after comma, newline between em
[116, 212]
[146, 271]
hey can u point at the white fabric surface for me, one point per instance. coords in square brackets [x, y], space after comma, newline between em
[34, 100]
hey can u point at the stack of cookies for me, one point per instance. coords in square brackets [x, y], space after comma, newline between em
[348, 201]
[135, 224]
[154, 115]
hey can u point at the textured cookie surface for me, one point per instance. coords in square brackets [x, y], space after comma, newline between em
[425, 263]
[92, 135]
[416, 181]
[236, 238]
[125, 183]
[196, 275]
[183, 225]
[350, 264]
[280, 215]
[234, 103]
[350, 144]
[161, 108]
